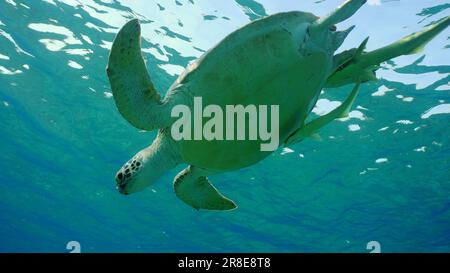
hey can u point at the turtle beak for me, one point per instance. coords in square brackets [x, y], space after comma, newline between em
[120, 182]
[121, 189]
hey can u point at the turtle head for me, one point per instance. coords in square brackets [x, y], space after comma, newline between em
[131, 176]
[144, 169]
[141, 171]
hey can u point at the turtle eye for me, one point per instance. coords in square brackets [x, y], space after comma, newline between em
[119, 177]
[333, 28]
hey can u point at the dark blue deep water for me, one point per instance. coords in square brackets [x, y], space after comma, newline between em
[381, 175]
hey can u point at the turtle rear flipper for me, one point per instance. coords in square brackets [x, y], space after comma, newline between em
[341, 14]
[361, 66]
[195, 190]
[134, 93]
[411, 44]
[310, 129]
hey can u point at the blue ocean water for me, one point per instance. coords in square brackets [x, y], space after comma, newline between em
[381, 175]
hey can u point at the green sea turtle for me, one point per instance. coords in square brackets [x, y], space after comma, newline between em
[284, 59]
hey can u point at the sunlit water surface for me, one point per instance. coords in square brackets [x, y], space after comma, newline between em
[383, 174]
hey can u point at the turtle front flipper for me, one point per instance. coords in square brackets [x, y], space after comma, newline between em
[353, 67]
[312, 127]
[193, 187]
[134, 93]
